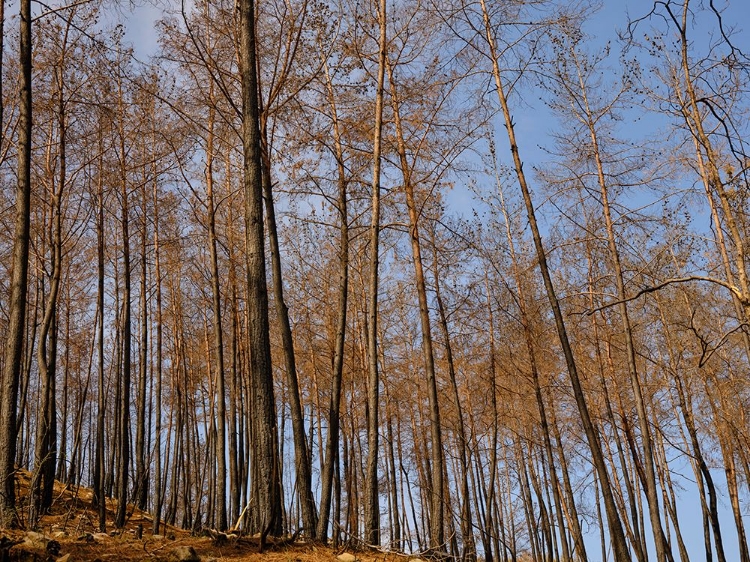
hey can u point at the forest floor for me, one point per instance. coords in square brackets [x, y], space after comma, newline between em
[70, 533]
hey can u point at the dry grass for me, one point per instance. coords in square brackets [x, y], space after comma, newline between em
[73, 522]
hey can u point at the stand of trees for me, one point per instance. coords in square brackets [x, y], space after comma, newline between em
[243, 285]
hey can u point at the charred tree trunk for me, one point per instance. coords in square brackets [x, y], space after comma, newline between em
[19, 284]
[123, 407]
[266, 509]
[301, 453]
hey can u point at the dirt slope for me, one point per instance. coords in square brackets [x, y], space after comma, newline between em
[70, 533]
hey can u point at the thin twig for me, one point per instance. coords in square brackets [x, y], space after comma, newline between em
[51, 11]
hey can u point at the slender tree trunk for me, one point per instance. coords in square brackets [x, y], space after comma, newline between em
[218, 333]
[372, 504]
[489, 521]
[396, 532]
[235, 386]
[529, 340]
[45, 453]
[71, 472]
[45, 441]
[617, 536]
[100, 460]
[334, 406]
[62, 447]
[467, 525]
[545, 517]
[24, 431]
[437, 535]
[301, 453]
[579, 548]
[528, 504]
[124, 382]
[662, 550]
[13, 354]
[669, 498]
[158, 367]
[141, 467]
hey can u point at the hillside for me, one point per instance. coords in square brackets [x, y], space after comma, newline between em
[69, 533]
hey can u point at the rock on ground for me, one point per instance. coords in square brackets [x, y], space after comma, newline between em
[38, 541]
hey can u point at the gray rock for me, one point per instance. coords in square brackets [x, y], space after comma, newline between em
[346, 557]
[36, 540]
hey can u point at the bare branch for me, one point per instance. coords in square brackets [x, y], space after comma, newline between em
[673, 281]
[51, 11]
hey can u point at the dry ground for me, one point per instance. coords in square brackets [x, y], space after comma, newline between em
[73, 523]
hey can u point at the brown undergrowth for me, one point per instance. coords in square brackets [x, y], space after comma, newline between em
[72, 523]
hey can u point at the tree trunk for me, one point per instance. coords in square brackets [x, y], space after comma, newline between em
[123, 408]
[301, 453]
[100, 457]
[61, 470]
[266, 509]
[141, 468]
[467, 525]
[45, 453]
[218, 334]
[488, 533]
[396, 533]
[529, 341]
[437, 524]
[617, 536]
[13, 354]
[663, 553]
[158, 366]
[235, 385]
[372, 504]
[334, 406]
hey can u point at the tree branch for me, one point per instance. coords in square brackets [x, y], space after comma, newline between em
[673, 281]
[51, 11]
